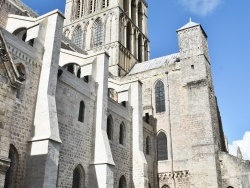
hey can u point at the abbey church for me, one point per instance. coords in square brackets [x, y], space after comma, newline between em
[82, 105]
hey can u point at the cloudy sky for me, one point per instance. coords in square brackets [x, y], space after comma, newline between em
[227, 24]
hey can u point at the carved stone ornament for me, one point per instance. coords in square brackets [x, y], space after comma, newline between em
[8, 64]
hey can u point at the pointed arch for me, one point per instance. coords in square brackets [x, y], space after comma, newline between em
[11, 173]
[110, 127]
[122, 135]
[165, 186]
[159, 97]
[162, 146]
[98, 32]
[78, 177]
[81, 112]
[78, 37]
[122, 182]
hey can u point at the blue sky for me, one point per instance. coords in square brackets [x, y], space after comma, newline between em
[227, 24]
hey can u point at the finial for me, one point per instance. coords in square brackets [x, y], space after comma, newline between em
[190, 20]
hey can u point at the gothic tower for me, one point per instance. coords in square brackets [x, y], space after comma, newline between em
[199, 111]
[118, 27]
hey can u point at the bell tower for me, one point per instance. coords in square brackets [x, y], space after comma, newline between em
[118, 27]
[201, 113]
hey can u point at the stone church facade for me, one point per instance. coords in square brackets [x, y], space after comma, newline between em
[83, 106]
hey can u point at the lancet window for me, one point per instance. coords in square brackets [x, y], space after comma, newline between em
[159, 97]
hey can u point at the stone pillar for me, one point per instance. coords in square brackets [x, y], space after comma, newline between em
[42, 164]
[140, 178]
[125, 36]
[101, 171]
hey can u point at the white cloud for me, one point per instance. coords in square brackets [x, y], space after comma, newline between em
[200, 7]
[244, 145]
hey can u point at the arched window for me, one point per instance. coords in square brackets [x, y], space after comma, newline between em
[105, 3]
[122, 182]
[140, 48]
[78, 37]
[122, 134]
[22, 77]
[81, 112]
[10, 176]
[110, 128]
[162, 147]
[133, 11]
[98, 32]
[159, 97]
[129, 36]
[78, 177]
[92, 6]
[165, 186]
[79, 8]
[140, 16]
[148, 145]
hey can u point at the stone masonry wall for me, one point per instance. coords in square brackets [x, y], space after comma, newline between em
[23, 114]
[77, 137]
[235, 172]
[149, 131]
[122, 154]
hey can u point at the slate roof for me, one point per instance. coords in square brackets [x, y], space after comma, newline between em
[153, 63]
[188, 25]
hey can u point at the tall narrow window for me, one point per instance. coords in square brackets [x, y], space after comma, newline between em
[148, 145]
[122, 182]
[140, 48]
[98, 32]
[81, 112]
[92, 6]
[10, 176]
[105, 3]
[122, 134]
[78, 177]
[78, 37]
[78, 9]
[162, 146]
[140, 16]
[129, 36]
[159, 97]
[110, 128]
